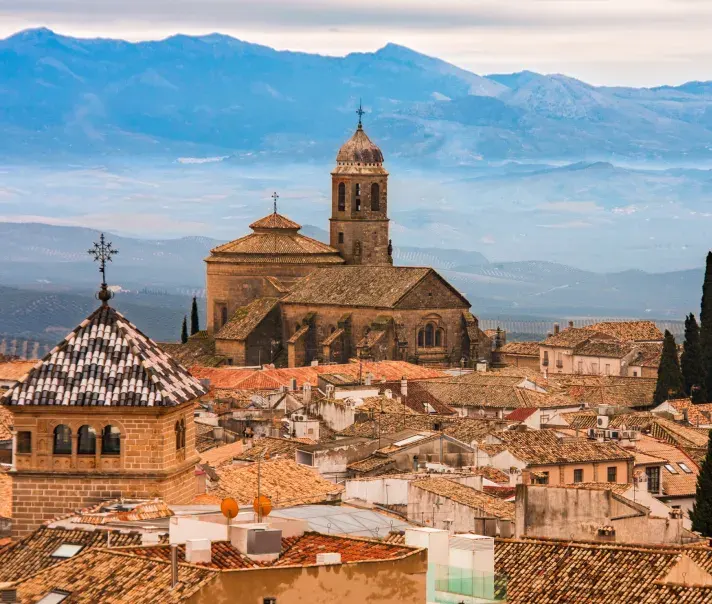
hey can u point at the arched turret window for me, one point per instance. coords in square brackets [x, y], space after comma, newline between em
[110, 441]
[180, 434]
[375, 197]
[62, 440]
[86, 444]
[342, 197]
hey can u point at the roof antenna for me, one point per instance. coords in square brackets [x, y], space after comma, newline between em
[102, 253]
[275, 197]
[360, 113]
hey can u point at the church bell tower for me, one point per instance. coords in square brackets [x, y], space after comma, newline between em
[359, 202]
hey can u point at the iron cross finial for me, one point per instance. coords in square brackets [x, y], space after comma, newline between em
[102, 253]
[275, 197]
[360, 112]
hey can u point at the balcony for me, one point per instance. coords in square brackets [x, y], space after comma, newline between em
[455, 585]
[545, 363]
[559, 364]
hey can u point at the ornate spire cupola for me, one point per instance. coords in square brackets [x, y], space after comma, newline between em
[359, 207]
[102, 253]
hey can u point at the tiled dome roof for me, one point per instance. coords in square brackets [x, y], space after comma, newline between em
[360, 149]
[275, 221]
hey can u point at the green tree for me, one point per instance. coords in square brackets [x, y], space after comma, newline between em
[701, 514]
[669, 376]
[184, 330]
[194, 319]
[706, 327]
[691, 362]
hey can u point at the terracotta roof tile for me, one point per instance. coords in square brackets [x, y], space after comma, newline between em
[245, 319]
[270, 448]
[629, 330]
[105, 361]
[34, 552]
[5, 494]
[371, 463]
[275, 221]
[695, 413]
[6, 420]
[223, 454]
[460, 493]
[491, 473]
[283, 480]
[14, 370]
[521, 348]
[519, 415]
[572, 337]
[359, 149]
[114, 576]
[603, 348]
[677, 483]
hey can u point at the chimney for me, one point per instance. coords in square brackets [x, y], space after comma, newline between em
[556, 328]
[315, 363]
[369, 379]
[330, 391]
[571, 323]
[218, 432]
[306, 390]
[174, 565]
[293, 384]
[198, 551]
[257, 541]
[388, 393]
[404, 386]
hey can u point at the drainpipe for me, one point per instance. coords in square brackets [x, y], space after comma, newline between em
[174, 565]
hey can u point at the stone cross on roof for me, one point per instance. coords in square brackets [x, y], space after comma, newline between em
[102, 253]
[275, 197]
[360, 112]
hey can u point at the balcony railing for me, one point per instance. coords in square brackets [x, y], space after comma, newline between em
[545, 363]
[559, 364]
[455, 585]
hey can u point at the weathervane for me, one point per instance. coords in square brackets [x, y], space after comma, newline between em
[102, 253]
[360, 112]
[275, 197]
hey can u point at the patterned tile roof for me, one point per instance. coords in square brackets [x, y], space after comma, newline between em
[245, 319]
[34, 553]
[283, 480]
[229, 377]
[530, 349]
[359, 149]
[369, 286]
[460, 493]
[555, 572]
[14, 370]
[106, 360]
[629, 330]
[113, 576]
[5, 494]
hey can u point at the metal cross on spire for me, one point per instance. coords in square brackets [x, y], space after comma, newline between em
[360, 112]
[102, 253]
[275, 197]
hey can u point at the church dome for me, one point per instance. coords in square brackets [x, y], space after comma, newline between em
[359, 149]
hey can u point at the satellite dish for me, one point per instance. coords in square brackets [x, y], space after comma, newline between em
[229, 508]
[263, 502]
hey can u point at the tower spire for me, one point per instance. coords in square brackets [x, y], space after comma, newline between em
[360, 113]
[275, 197]
[102, 253]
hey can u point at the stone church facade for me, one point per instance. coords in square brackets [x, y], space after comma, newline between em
[277, 295]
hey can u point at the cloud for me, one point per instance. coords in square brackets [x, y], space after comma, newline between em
[573, 224]
[488, 240]
[573, 207]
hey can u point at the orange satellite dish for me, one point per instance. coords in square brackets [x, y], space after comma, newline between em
[229, 508]
[262, 502]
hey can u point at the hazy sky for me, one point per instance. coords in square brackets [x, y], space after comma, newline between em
[633, 42]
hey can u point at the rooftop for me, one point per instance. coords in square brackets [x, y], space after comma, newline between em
[223, 454]
[521, 348]
[14, 370]
[678, 480]
[245, 319]
[572, 337]
[637, 331]
[359, 149]
[478, 500]
[106, 360]
[271, 447]
[5, 494]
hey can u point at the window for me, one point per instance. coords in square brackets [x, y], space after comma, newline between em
[54, 597]
[580, 366]
[635, 374]
[653, 479]
[357, 190]
[429, 333]
[608, 369]
[24, 442]
[543, 479]
[269, 600]
[421, 338]
[180, 434]
[545, 362]
[223, 314]
[62, 440]
[670, 468]
[375, 197]
[578, 475]
[87, 441]
[341, 237]
[612, 474]
[110, 441]
[594, 368]
[67, 550]
[684, 467]
[342, 197]
[544, 420]
[438, 337]
[559, 360]
[358, 204]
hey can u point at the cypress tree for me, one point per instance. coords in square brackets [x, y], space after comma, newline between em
[706, 327]
[701, 514]
[184, 331]
[669, 377]
[194, 319]
[691, 364]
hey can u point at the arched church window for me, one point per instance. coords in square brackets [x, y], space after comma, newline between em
[110, 441]
[86, 444]
[421, 338]
[342, 197]
[223, 315]
[62, 440]
[429, 335]
[357, 197]
[180, 434]
[438, 337]
[375, 197]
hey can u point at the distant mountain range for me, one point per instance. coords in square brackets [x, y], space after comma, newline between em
[215, 95]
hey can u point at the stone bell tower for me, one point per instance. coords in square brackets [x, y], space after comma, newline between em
[359, 202]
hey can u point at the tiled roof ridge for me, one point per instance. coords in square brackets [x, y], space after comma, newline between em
[585, 544]
[275, 220]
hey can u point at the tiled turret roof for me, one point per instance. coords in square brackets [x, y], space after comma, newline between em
[275, 221]
[359, 149]
[106, 360]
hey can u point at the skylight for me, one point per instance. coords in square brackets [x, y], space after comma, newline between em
[67, 550]
[671, 469]
[54, 597]
[685, 469]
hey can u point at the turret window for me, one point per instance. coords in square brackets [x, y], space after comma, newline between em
[180, 434]
[87, 441]
[341, 237]
[375, 197]
[357, 197]
[110, 441]
[62, 440]
[342, 197]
